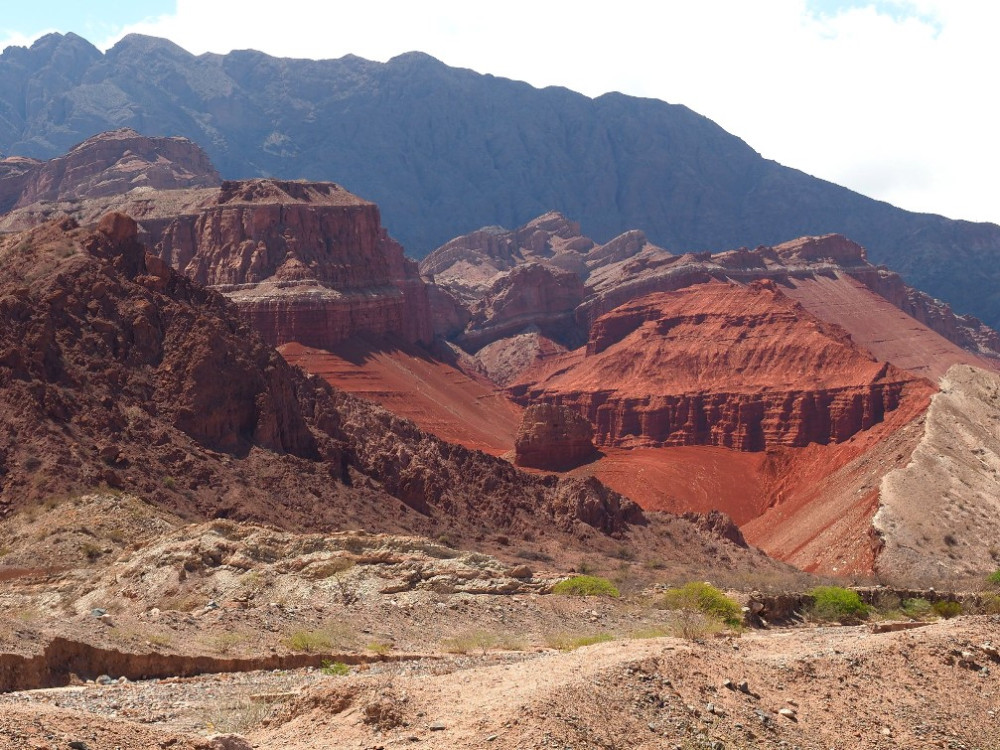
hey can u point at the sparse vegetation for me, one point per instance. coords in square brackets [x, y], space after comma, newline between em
[947, 609]
[705, 599]
[309, 641]
[379, 647]
[917, 609]
[225, 643]
[586, 586]
[334, 668]
[570, 641]
[993, 579]
[481, 640]
[837, 604]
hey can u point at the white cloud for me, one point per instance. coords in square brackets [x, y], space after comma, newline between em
[890, 98]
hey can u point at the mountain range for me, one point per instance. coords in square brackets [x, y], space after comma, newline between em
[444, 150]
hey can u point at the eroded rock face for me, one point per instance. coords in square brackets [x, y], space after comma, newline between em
[107, 164]
[553, 437]
[305, 262]
[719, 364]
[115, 369]
[528, 295]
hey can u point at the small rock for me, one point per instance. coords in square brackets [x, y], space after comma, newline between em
[229, 742]
[491, 738]
[79, 745]
[104, 680]
[788, 713]
[744, 687]
[886, 732]
[520, 571]
[437, 726]
[98, 612]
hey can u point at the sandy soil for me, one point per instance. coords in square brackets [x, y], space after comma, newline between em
[811, 688]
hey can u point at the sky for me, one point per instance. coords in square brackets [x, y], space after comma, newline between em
[892, 98]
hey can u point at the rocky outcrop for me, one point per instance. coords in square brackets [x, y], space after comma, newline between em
[107, 164]
[530, 295]
[719, 364]
[305, 262]
[554, 438]
[629, 267]
[115, 369]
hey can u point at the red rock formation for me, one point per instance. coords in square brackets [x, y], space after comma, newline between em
[305, 262]
[629, 267]
[116, 162]
[528, 295]
[719, 364]
[115, 369]
[553, 438]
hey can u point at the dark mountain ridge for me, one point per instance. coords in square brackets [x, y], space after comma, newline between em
[444, 150]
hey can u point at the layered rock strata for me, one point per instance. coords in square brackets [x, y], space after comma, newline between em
[553, 437]
[719, 364]
[469, 268]
[305, 262]
[107, 164]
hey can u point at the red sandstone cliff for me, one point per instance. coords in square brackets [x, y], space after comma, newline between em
[305, 262]
[720, 364]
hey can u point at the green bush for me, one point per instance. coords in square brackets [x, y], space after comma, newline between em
[706, 599]
[993, 578]
[585, 586]
[334, 668]
[947, 610]
[837, 604]
[918, 609]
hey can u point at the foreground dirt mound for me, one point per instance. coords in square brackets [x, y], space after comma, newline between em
[720, 364]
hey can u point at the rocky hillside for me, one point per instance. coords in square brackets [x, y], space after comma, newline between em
[509, 297]
[480, 150]
[117, 371]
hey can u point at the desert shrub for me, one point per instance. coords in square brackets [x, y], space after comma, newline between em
[334, 668]
[309, 641]
[918, 609]
[585, 586]
[226, 643]
[379, 647]
[837, 604]
[993, 579]
[947, 609]
[990, 605]
[571, 641]
[463, 643]
[703, 598]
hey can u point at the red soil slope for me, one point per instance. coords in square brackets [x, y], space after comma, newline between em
[407, 381]
[879, 326]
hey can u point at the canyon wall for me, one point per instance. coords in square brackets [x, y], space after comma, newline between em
[305, 262]
[719, 364]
